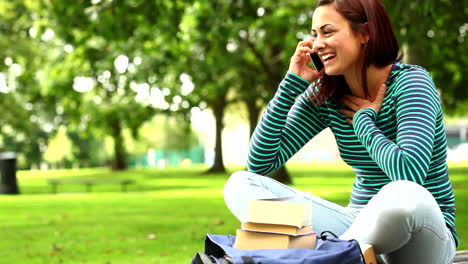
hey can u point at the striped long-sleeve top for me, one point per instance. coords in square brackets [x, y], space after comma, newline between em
[404, 141]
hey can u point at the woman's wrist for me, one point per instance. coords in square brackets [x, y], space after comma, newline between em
[294, 84]
[299, 77]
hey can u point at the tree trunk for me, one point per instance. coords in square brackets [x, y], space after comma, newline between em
[218, 106]
[253, 112]
[119, 162]
[414, 55]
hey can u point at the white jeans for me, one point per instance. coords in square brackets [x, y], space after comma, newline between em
[403, 221]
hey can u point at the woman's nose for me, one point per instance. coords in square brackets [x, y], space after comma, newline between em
[318, 44]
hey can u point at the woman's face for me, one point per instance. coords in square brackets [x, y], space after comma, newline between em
[337, 45]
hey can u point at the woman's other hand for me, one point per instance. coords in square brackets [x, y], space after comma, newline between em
[355, 103]
[299, 63]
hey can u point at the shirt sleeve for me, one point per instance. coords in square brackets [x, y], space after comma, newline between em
[417, 106]
[288, 123]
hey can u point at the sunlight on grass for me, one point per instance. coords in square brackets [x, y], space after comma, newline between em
[163, 218]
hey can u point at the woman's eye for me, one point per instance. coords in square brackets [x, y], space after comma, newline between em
[327, 32]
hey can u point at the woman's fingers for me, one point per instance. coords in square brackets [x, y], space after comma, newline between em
[356, 103]
[305, 46]
[305, 43]
[306, 50]
[347, 112]
[349, 115]
[351, 103]
[377, 103]
[381, 93]
[356, 100]
[299, 63]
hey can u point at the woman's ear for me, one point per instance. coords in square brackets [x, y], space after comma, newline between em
[365, 33]
[364, 39]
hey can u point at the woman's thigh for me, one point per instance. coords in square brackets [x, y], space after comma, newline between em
[404, 222]
[426, 246]
[243, 186]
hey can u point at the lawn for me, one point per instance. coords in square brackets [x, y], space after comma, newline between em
[163, 218]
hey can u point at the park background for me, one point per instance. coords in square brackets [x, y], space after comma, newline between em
[167, 94]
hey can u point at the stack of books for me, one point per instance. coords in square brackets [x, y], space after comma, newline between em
[276, 223]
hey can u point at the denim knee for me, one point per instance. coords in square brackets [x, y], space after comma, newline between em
[236, 179]
[233, 186]
[405, 199]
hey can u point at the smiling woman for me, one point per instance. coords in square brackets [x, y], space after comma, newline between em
[388, 123]
[360, 43]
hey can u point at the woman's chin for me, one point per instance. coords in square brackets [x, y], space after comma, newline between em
[329, 71]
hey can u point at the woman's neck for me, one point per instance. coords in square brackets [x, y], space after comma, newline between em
[375, 77]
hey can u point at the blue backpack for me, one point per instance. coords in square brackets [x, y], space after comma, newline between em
[219, 250]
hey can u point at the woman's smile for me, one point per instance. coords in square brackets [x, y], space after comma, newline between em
[327, 58]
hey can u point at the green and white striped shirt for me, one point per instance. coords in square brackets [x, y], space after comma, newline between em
[406, 140]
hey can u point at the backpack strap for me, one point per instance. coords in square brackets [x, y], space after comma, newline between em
[359, 246]
[323, 235]
[248, 260]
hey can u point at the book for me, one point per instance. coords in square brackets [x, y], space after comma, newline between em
[279, 229]
[279, 212]
[246, 239]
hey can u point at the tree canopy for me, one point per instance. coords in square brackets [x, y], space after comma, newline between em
[102, 67]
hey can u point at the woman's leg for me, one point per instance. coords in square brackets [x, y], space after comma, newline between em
[243, 186]
[404, 221]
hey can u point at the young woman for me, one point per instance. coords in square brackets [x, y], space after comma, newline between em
[387, 121]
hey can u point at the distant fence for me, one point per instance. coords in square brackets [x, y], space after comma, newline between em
[457, 142]
[160, 158]
[456, 135]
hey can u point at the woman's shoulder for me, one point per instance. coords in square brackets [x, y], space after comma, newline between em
[414, 81]
[401, 68]
[405, 75]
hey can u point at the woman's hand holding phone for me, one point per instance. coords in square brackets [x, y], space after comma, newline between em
[299, 63]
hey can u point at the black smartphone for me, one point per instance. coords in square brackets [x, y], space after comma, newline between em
[318, 64]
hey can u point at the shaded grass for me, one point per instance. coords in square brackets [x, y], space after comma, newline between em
[162, 219]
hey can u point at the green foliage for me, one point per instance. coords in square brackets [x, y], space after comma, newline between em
[28, 117]
[99, 41]
[230, 50]
[235, 45]
[88, 150]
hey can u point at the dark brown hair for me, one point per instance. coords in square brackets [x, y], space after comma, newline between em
[368, 17]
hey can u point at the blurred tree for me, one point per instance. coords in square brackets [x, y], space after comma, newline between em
[111, 44]
[87, 150]
[28, 116]
[128, 60]
[241, 48]
[266, 34]
[204, 32]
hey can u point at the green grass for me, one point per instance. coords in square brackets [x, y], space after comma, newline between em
[163, 218]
